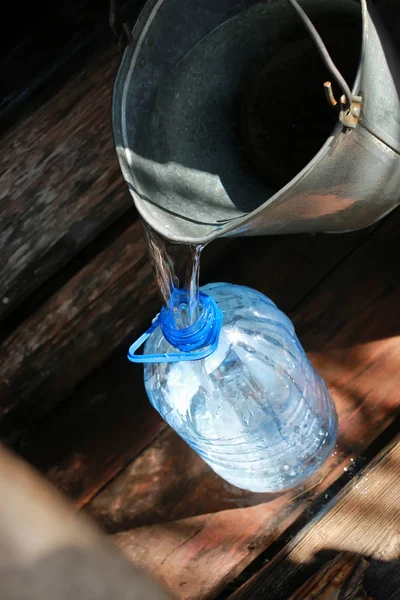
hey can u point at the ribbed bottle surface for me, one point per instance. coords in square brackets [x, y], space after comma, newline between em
[255, 410]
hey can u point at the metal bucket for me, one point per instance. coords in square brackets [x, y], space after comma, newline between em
[222, 126]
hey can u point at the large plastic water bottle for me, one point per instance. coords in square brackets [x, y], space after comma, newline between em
[238, 388]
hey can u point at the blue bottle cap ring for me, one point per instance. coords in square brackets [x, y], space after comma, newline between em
[193, 343]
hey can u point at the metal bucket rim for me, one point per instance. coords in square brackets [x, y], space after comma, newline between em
[119, 107]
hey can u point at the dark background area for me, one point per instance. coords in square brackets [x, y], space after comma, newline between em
[41, 43]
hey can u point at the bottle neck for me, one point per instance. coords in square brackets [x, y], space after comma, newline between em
[196, 335]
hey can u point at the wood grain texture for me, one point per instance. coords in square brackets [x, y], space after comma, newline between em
[105, 305]
[79, 327]
[350, 326]
[169, 482]
[364, 520]
[60, 181]
[340, 578]
[93, 435]
[107, 401]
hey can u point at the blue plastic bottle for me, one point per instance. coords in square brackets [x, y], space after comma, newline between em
[239, 389]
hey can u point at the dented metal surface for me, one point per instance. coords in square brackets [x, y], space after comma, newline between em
[179, 103]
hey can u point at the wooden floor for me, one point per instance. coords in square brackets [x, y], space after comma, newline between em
[76, 288]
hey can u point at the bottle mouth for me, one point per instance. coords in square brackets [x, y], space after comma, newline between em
[198, 335]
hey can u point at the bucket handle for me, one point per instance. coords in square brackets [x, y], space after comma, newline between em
[350, 109]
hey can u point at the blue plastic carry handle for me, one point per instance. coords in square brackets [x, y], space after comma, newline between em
[193, 343]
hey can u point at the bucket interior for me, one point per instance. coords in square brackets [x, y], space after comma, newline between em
[240, 114]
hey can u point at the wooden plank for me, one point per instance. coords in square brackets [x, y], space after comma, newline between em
[364, 520]
[60, 181]
[79, 327]
[169, 482]
[108, 302]
[92, 436]
[341, 577]
[352, 577]
[82, 468]
[350, 327]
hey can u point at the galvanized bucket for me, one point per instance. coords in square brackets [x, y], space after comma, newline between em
[222, 127]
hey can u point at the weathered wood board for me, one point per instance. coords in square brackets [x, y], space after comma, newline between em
[60, 181]
[363, 521]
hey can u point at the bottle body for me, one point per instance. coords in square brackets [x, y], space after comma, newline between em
[255, 409]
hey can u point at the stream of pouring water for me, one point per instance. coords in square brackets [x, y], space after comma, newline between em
[176, 266]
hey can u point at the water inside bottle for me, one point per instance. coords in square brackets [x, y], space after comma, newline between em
[254, 410]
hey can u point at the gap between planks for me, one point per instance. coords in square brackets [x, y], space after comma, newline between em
[362, 520]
